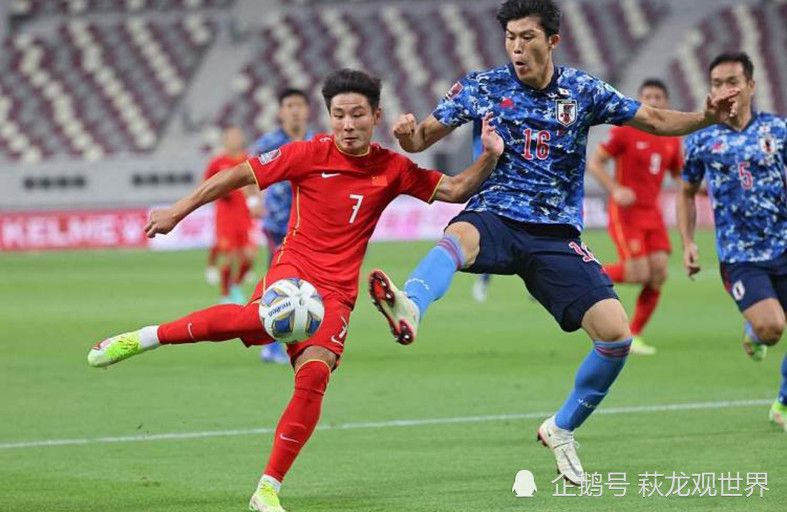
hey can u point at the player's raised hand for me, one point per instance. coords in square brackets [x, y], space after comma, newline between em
[404, 127]
[720, 108]
[160, 222]
[624, 196]
[691, 259]
[491, 140]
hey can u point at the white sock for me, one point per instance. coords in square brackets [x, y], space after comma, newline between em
[275, 483]
[148, 337]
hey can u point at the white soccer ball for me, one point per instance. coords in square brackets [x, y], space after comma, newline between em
[291, 310]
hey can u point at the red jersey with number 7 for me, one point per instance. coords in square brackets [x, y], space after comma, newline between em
[337, 200]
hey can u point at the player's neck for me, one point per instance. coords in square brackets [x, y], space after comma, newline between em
[295, 132]
[235, 154]
[542, 81]
[742, 120]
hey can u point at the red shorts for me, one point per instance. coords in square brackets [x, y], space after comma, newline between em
[332, 333]
[232, 236]
[637, 233]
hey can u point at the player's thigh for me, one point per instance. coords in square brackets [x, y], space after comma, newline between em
[489, 240]
[332, 334]
[637, 269]
[767, 320]
[565, 277]
[606, 320]
[658, 263]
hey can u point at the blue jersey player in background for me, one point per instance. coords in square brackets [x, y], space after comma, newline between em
[527, 217]
[293, 117]
[743, 162]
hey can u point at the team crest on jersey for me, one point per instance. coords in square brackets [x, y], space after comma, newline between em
[454, 90]
[270, 156]
[768, 144]
[566, 111]
[738, 290]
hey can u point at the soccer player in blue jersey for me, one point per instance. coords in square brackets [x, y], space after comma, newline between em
[293, 118]
[527, 217]
[743, 162]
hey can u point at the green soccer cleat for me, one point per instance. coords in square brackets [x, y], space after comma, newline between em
[265, 499]
[640, 348]
[754, 350]
[115, 349]
[778, 415]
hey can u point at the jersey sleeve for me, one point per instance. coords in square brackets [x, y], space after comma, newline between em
[615, 144]
[284, 163]
[419, 182]
[693, 167]
[458, 106]
[610, 106]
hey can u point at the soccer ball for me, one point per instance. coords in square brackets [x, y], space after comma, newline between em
[291, 310]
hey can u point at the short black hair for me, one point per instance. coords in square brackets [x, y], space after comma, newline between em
[742, 57]
[292, 91]
[352, 80]
[654, 82]
[547, 11]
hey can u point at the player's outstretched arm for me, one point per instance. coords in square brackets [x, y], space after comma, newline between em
[687, 222]
[459, 188]
[597, 165]
[414, 137]
[163, 220]
[671, 122]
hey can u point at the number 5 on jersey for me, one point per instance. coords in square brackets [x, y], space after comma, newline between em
[358, 198]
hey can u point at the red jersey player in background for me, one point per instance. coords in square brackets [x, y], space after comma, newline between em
[636, 223]
[342, 183]
[233, 245]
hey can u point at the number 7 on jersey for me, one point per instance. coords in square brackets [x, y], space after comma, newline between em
[358, 198]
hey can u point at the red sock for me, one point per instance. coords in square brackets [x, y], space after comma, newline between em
[216, 323]
[646, 304]
[615, 272]
[245, 266]
[300, 417]
[226, 274]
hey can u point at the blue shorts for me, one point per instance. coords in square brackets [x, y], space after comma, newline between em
[750, 282]
[556, 266]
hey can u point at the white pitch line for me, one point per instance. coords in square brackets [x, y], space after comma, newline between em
[378, 424]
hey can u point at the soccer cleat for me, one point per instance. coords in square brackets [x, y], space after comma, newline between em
[400, 311]
[563, 446]
[212, 276]
[778, 415]
[115, 349]
[274, 353]
[640, 348]
[265, 499]
[480, 289]
[754, 350]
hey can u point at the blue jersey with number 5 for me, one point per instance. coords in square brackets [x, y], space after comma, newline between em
[540, 177]
[745, 172]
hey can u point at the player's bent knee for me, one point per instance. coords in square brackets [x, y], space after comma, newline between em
[607, 321]
[469, 239]
[318, 354]
[769, 331]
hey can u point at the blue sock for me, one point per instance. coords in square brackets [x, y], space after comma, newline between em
[783, 389]
[594, 377]
[432, 277]
[749, 330]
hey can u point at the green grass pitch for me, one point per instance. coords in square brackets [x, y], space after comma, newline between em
[471, 366]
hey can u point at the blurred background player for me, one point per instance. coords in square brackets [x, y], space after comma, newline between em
[233, 246]
[344, 184]
[636, 222]
[743, 162]
[293, 117]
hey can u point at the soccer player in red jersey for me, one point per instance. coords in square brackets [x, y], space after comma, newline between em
[233, 220]
[636, 223]
[342, 183]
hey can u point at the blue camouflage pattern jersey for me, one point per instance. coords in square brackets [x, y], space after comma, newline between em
[747, 184]
[539, 178]
[278, 197]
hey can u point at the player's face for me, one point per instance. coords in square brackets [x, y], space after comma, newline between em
[727, 75]
[530, 50]
[293, 112]
[234, 140]
[654, 97]
[353, 122]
